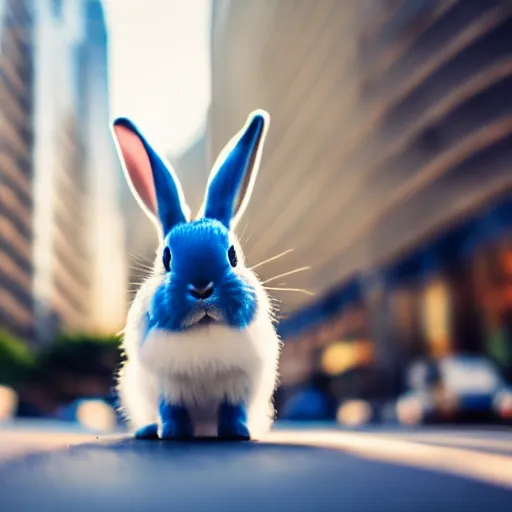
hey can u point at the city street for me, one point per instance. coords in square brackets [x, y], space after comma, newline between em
[297, 469]
[209, 206]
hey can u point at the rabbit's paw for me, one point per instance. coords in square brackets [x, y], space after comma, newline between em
[176, 422]
[147, 432]
[233, 422]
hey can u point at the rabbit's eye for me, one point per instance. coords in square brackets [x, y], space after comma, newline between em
[167, 259]
[233, 260]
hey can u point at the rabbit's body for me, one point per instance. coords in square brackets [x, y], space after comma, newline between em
[199, 367]
[199, 340]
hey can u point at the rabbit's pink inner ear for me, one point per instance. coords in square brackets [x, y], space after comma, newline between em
[137, 166]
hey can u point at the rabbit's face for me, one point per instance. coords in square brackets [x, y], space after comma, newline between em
[205, 280]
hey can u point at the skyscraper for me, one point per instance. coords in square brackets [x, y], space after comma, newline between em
[61, 255]
[79, 255]
[105, 181]
[16, 169]
[62, 250]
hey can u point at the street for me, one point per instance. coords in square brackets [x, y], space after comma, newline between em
[300, 469]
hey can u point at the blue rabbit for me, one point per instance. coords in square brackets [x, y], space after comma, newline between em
[200, 342]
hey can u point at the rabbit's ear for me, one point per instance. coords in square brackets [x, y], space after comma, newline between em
[153, 182]
[234, 173]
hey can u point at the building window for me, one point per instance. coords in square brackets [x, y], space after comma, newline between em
[493, 279]
[436, 318]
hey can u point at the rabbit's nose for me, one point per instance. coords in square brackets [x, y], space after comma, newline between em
[201, 292]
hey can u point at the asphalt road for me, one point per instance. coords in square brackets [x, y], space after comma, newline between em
[315, 469]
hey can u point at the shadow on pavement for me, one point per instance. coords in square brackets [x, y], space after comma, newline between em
[219, 476]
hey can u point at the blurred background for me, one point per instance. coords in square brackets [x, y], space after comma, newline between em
[387, 171]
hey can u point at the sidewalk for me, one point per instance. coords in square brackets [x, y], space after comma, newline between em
[299, 470]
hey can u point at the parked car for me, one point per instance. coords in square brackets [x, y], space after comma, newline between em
[455, 388]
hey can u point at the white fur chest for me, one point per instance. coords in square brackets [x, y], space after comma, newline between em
[204, 365]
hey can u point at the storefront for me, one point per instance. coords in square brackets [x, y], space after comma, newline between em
[336, 357]
[454, 296]
[493, 284]
[451, 296]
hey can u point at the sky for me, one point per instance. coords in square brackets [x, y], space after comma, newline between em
[160, 68]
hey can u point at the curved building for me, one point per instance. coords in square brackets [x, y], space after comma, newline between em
[387, 169]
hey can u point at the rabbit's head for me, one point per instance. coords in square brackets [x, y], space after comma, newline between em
[200, 274]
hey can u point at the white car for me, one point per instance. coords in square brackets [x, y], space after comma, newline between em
[455, 388]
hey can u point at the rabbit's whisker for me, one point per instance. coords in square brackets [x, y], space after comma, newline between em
[136, 283]
[271, 259]
[144, 271]
[291, 290]
[144, 274]
[301, 269]
[138, 257]
[142, 263]
[139, 264]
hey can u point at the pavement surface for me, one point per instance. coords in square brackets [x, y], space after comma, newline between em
[298, 469]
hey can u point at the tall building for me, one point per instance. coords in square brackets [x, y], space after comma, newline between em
[62, 247]
[387, 169]
[61, 256]
[79, 257]
[16, 169]
[295, 59]
[109, 274]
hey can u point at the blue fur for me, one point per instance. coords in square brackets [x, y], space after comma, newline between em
[170, 209]
[147, 432]
[225, 186]
[199, 252]
[176, 422]
[232, 421]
